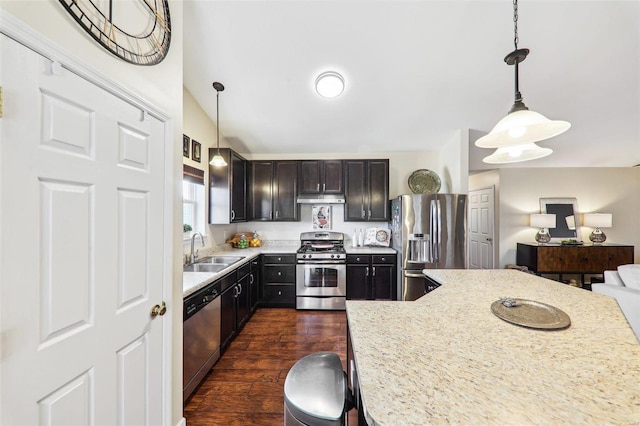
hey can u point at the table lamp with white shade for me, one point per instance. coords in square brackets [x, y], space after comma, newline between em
[597, 221]
[542, 221]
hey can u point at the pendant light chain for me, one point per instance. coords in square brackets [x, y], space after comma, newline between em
[515, 24]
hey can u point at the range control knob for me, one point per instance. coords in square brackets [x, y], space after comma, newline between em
[333, 256]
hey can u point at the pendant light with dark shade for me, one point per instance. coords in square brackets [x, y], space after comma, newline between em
[217, 159]
[515, 135]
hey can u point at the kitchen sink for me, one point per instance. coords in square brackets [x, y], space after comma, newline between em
[205, 267]
[224, 260]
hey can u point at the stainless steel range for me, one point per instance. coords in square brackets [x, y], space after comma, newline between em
[321, 271]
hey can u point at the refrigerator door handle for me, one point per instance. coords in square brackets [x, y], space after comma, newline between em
[438, 239]
[432, 231]
[410, 275]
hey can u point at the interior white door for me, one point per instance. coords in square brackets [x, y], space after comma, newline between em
[82, 193]
[481, 234]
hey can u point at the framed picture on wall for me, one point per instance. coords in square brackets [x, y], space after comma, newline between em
[321, 217]
[195, 150]
[186, 142]
[567, 220]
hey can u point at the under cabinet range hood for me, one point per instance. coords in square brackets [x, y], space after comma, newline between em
[320, 199]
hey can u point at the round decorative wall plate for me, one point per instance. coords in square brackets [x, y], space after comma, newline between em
[424, 181]
[138, 32]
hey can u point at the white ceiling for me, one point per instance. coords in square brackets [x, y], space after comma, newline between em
[416, 72]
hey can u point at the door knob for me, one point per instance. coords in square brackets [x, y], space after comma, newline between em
[489, 239]
[159, 310]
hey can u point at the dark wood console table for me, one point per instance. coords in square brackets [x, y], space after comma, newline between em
[569, 259]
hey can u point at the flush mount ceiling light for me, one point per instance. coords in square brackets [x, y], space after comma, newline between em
[329, 84]
[521, 127]
[217, 159]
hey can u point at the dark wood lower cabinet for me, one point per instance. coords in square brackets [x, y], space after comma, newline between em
[278, 281]
[228, 313]
[254, 284]
[573, 260]
[371, 277]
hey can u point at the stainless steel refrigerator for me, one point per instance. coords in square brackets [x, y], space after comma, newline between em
[428, 232]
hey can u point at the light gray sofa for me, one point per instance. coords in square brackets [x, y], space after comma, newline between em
[624, 286]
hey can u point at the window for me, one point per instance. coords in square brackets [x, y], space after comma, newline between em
[193, 207]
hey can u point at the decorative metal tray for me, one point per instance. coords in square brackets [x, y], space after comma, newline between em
[424, 181]
[529, 313]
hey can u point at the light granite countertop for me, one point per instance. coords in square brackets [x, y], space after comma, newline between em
[194, 281]
[446, 358]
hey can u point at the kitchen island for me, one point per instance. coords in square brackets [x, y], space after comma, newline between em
[446, 358]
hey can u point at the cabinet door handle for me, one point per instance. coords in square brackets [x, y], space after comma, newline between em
[277, 214]
[318, 188]
[369, 214]
[270, 214]
[324, 186]
[367, 272]
[373, 274]
[239, 289]
[251, 279]
[279, 293]
[279, 259]
[233, 214]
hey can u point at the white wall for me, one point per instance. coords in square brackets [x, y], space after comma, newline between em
[160, 85]
[606, 190]
[454, 164]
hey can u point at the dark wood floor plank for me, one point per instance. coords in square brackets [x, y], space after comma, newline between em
[246, 386]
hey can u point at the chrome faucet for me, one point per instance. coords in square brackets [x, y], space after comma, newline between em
[194, 255]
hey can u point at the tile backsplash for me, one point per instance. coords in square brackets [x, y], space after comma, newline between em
[291, 230]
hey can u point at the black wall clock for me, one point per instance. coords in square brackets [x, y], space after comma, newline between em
[137, 31]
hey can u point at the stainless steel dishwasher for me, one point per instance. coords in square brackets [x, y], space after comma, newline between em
[201, 336]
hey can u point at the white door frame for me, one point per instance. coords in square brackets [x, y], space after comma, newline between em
[27, 36]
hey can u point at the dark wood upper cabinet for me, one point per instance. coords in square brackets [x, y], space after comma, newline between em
[285, 194]
[274, 190]
[261, 190]
[321, 177]
[366, 190]
[228, 188]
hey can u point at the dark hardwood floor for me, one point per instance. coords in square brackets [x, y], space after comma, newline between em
[246, 385]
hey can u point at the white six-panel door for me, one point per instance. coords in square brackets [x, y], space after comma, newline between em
[82, 193]
[480, 225]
